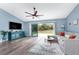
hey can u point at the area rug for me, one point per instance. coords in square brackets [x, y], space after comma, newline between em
[46, 49]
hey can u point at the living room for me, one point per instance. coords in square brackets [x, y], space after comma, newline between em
[16, 24]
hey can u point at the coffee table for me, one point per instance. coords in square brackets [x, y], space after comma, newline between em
[52, 39]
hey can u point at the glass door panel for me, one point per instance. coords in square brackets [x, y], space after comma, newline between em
[34, 29]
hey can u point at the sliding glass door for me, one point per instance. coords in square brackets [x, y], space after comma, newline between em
[34, 29]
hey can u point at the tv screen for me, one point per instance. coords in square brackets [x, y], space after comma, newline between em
[13, 25]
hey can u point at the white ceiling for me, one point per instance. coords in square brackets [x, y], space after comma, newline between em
[49, 10]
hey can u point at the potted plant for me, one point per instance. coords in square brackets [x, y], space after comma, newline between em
[3, 33]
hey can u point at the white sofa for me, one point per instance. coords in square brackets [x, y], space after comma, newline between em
[71, 47]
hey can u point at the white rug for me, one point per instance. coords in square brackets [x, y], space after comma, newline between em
[43, 48]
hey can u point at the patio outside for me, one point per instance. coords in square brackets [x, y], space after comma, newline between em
[46, 29]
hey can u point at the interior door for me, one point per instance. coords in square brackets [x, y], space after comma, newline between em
[34, 29]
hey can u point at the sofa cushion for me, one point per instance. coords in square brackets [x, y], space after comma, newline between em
[62, 33]
[72, 37]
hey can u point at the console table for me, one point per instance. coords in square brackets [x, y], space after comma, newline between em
[15, 35]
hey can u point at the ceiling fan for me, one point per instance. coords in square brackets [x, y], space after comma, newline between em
[33, 15]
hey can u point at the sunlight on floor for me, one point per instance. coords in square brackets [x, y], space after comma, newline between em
[46, 33]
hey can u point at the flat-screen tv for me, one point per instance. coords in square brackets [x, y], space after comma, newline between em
[14, 25]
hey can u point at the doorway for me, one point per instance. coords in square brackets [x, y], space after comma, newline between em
[43, 29]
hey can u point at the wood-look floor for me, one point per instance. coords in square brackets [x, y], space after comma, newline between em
[17, 47]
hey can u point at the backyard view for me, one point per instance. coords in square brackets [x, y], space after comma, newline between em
[45, 29]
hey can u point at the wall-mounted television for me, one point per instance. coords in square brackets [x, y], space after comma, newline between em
[14, 25]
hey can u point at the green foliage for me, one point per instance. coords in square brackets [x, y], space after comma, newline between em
[3, 32]
[45, 27]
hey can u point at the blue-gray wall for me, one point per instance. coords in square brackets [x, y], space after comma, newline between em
[26, 28]
[74, 15]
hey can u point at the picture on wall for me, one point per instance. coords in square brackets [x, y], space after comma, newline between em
[75, 22]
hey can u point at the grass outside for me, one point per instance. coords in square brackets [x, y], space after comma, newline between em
[44, 33]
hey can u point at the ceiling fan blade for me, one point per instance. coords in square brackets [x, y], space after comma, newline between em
[28, 13]
[39, 15]
[35, 13]
[28, 16]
